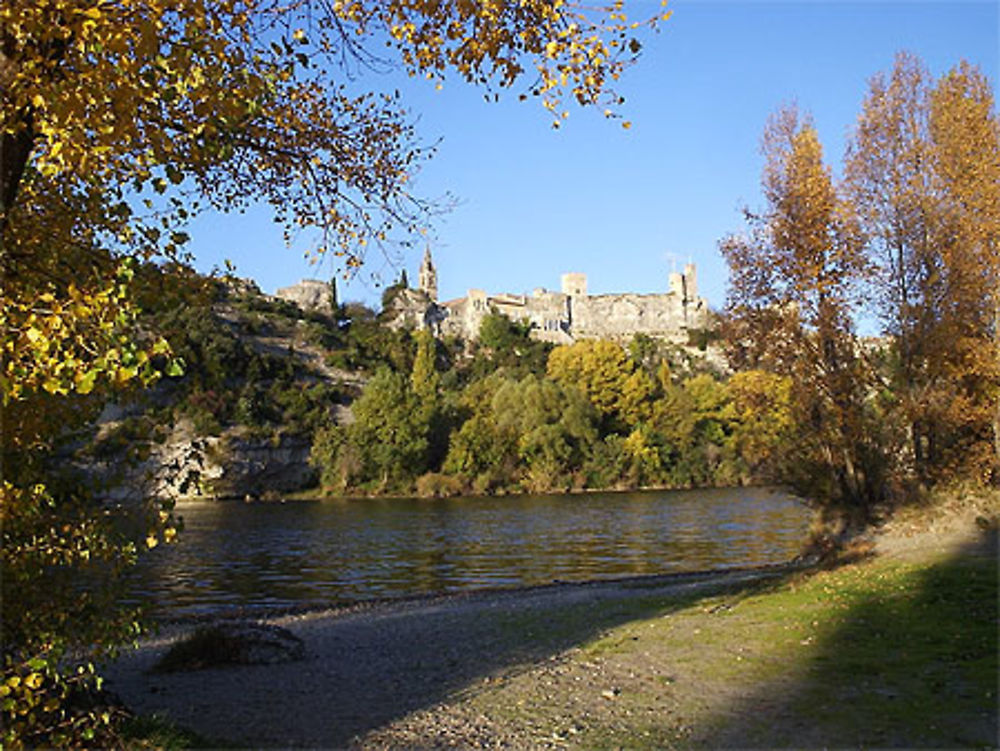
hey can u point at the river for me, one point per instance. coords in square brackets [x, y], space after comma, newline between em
[319, 553]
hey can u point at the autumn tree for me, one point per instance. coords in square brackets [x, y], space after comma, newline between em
[119, 122]
[923, 175]
[763, 424]
[601, 370]
[965, 131]
[793, 282]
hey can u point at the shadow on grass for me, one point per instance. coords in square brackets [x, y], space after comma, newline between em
[362, 673]
[909, 661]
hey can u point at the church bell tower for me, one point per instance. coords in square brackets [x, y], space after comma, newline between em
[428, 278]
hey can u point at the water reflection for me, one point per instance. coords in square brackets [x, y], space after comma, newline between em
[263, 555]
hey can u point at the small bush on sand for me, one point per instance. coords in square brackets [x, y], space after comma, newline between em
[232, 644]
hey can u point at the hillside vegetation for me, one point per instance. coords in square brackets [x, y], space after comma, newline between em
[391, 410]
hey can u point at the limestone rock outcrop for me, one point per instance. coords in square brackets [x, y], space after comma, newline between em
[258, 467]
[186, 466]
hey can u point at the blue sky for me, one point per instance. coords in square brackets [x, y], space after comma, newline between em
[619, 204]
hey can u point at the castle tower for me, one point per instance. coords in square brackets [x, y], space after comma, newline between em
[690, 283]
[574, 284]
[685, 285]
[428, 279]
[677, 284]
[685, 289]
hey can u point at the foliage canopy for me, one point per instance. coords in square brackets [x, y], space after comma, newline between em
[121, 121]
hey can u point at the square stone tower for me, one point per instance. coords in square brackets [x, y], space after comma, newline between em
[685, 285]
[574, 284]
[690, 283]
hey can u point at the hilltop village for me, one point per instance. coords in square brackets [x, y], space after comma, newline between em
[562, 317]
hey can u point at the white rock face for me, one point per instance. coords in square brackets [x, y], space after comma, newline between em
[187, 466]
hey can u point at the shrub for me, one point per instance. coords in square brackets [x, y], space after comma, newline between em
[437, 485]
[232, 644]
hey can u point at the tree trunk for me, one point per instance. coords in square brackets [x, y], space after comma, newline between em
[996, 416]
[15, 149]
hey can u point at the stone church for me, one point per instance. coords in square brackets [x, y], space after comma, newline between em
[561, 317]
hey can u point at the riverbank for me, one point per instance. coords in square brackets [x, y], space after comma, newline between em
[898, 649]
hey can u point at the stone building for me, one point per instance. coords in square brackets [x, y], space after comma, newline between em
[309, 295]
[428, 278]
[560, 317]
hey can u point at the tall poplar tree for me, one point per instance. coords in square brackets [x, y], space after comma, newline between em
[792, 288]
[965, 133]
[923, 177]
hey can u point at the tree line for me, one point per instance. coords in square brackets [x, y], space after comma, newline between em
[519, 415]
[907, 241]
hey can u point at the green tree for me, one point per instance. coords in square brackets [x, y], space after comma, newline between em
[425, 382]
[424, 378]
[390, 431]
[528, 432]
[399, 430]
[505, 343]
[647, 352]
[499, 333]
[480, 449]
[555, 428]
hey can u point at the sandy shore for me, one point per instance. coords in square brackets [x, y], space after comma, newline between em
[407, 674]
[371, 665]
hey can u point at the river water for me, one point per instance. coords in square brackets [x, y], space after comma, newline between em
[319, 553]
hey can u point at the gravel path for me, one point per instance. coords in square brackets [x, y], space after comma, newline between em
[368, 667]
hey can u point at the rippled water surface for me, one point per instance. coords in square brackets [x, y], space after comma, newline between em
[333, 552]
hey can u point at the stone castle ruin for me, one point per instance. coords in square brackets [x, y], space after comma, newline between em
[559, 317]
[309, 294]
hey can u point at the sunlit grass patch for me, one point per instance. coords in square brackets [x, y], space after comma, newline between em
[877, 652]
